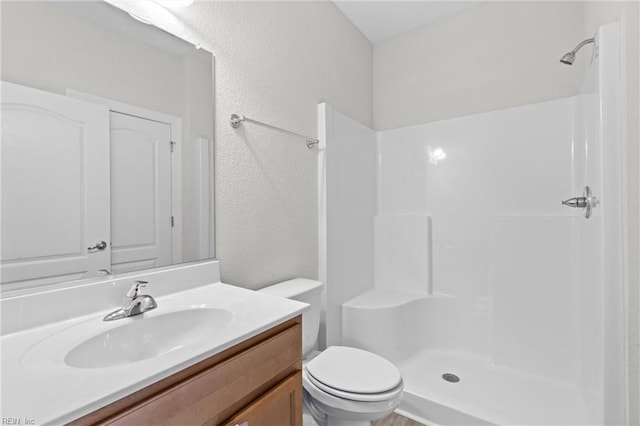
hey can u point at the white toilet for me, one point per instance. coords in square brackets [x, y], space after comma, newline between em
[342, 386]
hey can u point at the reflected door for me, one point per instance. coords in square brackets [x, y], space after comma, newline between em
[141, 217]
[55, 187]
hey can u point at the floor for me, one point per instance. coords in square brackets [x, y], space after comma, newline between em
[395, 420]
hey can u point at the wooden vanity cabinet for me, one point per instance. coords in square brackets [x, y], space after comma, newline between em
[280, 406]
[256, 383]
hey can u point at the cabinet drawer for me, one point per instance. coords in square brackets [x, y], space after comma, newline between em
[281, 406]
[216, 393]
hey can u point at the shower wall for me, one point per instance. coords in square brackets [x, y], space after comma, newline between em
[346, 208]
[491, 185]
[468, 209]
[478, 267]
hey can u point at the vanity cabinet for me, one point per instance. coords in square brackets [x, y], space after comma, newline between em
[254, 383]
[279, 406]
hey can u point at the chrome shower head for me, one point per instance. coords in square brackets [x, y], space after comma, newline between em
[569, 58]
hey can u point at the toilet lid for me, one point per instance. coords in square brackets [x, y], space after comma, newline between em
[354, 370]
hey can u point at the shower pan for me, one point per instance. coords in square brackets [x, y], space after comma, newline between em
[495, 274]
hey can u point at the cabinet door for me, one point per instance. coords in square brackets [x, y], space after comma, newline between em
[216, 392]
[281, 406]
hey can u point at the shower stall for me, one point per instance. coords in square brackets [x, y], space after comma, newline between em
[446, 248]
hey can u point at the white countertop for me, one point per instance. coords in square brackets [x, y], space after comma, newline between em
[39, 388]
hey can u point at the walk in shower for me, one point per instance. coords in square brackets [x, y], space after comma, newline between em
[446, 247]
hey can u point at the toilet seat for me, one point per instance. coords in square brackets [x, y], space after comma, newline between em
[354, 374]
[362, 397]
[344, 408]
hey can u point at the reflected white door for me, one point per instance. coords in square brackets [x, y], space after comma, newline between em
[48, 224]
[140, 193]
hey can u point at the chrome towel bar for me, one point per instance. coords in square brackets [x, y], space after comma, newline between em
[237, 119]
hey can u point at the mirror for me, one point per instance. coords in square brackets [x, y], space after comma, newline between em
[107, 145]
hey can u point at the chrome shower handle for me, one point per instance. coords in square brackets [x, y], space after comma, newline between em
[576, 202]
[586, 202]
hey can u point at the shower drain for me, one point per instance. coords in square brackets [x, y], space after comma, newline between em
[452, 378]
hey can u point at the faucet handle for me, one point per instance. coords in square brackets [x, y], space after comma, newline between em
[134, 291]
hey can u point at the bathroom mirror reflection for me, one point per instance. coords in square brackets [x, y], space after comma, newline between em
[107, 145]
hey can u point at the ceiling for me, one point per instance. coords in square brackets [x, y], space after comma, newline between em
[382, 20]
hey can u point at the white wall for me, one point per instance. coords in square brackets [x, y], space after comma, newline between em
[275, 61]
[492, 56]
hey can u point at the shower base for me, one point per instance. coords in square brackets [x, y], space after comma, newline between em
[485, 394]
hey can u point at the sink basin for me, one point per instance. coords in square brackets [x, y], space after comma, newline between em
[143, 337]
[77, 363]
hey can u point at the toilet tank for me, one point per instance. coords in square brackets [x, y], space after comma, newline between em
[307, 291]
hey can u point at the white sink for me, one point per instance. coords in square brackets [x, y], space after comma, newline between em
[62, 370]
[147, 337]
[98, 344]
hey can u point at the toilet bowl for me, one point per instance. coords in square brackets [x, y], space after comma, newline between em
[343, 386]
[348, 386]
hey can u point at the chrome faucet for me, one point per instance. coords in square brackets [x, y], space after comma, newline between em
[135, 304]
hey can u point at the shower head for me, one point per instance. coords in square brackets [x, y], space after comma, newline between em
[569, 58]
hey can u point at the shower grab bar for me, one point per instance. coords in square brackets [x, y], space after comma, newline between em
[237, 119]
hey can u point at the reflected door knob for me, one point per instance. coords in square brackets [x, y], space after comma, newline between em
[100, 245]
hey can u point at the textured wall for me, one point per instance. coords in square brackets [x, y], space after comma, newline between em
[274, 62]
[492, 56]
